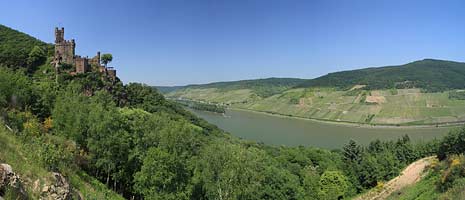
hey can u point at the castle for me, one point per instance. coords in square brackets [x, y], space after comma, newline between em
[65, 54]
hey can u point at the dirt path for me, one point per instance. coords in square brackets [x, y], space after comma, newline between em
[410, 175]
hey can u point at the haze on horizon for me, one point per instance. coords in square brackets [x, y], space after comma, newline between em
[190, 42]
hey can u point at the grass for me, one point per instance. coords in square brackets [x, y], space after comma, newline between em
[13, 152]
[402, 106]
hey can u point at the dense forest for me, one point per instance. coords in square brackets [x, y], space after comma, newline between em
[430, 75]
[144, 146]
[16, 48]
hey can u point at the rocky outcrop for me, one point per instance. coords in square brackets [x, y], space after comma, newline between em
[59, 189]
[10, 181]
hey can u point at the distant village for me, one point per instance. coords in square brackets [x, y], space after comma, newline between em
[65, 54]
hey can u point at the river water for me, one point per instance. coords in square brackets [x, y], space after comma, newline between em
[277, 130]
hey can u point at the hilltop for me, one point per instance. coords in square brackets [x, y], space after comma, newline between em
[16, 46]
[425, 92]
[428, 74]
[260, 87]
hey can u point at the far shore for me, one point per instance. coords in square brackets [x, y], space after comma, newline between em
[354, 124]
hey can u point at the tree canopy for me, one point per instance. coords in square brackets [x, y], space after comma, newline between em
[106, 58]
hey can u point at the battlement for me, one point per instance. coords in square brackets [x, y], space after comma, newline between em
[65, 53]
[59, 35]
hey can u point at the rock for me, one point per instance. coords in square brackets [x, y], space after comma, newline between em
[36, 185]
[59, 189]
[6, 167]
[11, 181]
[45, 189]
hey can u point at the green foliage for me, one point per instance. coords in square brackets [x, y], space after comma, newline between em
[369, 118]
[37, 56]
[311, 182]
[168, 89]
[55, 153]
[352, 152]
[16, 48]
[202, 106]
[294, 100]
[16, 89]
[444, 180]
[333, 185]
[453, 143]
[431, 75]
[261, 87]
[106, 58]
[33, 158]
[379, 161]
[458, 95]
[452, 170]
[163, 176]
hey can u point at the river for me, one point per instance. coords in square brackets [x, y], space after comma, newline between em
[287, 131]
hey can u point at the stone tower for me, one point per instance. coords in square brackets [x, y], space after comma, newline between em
[64, 49]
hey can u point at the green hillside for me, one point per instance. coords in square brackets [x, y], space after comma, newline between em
[168, 89]
[28, 160]
[16, 46]
[430, 75]
[260, 87]
[425, 92]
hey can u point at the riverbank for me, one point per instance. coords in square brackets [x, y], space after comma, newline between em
[355, 124]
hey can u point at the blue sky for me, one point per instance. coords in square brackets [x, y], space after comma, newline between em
[178, 42]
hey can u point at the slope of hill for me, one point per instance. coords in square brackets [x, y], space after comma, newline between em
[260, 87]
[167, 89]
[37, 179]
[430, 75]
[15, 47]
[420, 93]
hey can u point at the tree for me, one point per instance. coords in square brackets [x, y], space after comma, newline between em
[352, 152]
[163, 176]
[310, 183]
[333, 185]
[37, 56]
[453, 143]
[229, 171]
[106, 58]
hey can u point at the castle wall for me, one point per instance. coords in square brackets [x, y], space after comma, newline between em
[65, 50]
[82, 65]
[95, 61]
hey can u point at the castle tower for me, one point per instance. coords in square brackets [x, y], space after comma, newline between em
[64, 49]
[59, 35]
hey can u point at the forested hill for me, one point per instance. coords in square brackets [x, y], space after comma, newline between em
[261, 87]
[168, 89]
[16, 46]
[430, 75]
